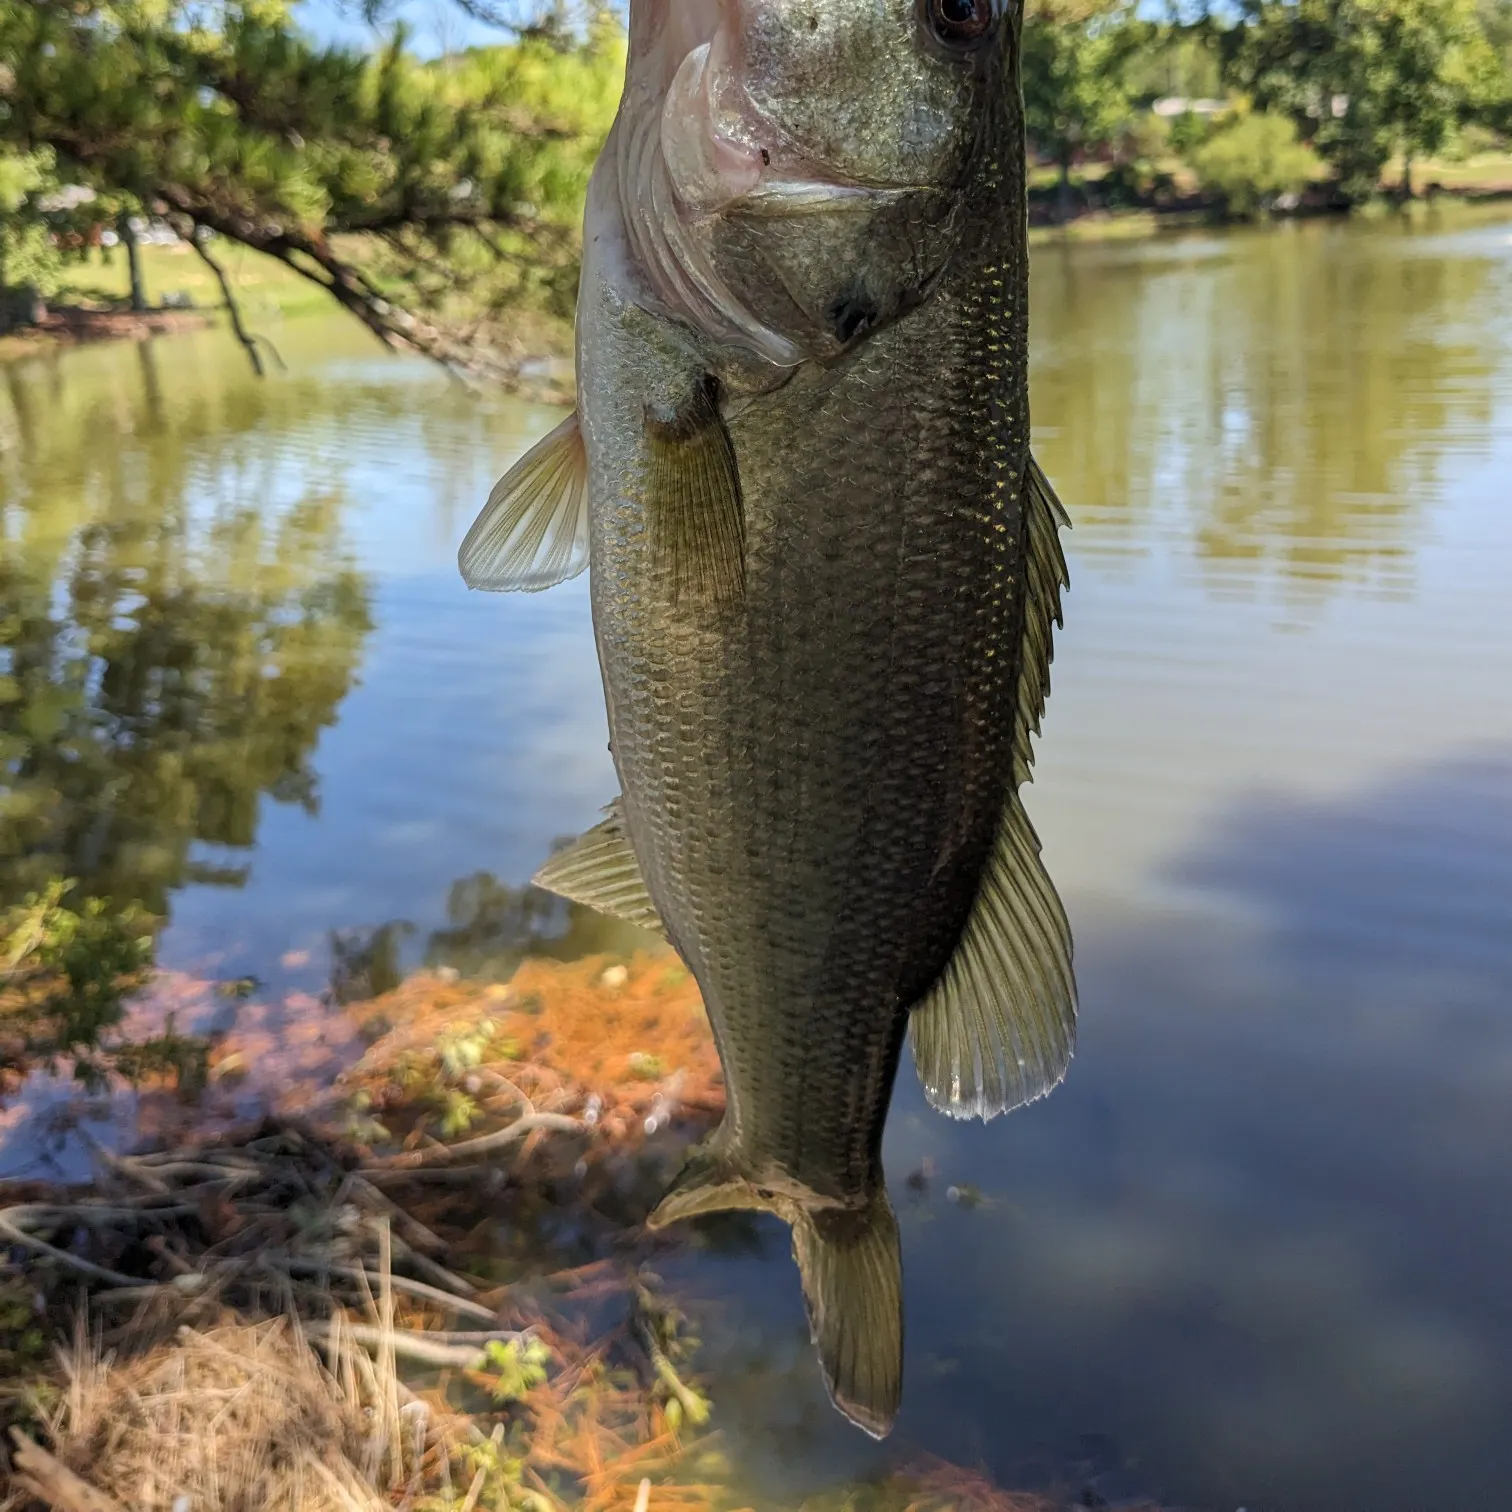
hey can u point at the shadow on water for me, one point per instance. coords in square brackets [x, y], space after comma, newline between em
[1253, 1252]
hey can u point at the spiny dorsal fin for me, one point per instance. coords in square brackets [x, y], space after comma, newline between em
[533, 532]
[999, 1026]
[600, 869]
[852, 1270]
[694, 515]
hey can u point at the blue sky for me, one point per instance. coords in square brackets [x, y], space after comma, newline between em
[438, 26]
[435, 26]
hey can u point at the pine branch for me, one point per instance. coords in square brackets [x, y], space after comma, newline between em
[232, 308]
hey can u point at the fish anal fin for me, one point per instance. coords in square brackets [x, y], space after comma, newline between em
[998, 1027]
[695, 519]
[599, 869]
[851, 1265]
[533, 531]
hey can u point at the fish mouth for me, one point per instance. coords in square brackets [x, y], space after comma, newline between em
[725, 154]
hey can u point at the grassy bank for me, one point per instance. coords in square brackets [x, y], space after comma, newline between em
[264, 286]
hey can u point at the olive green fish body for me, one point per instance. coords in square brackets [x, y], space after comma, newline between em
[813, 775]
[824, 576]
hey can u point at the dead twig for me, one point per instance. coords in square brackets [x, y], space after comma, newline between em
[471, 1149]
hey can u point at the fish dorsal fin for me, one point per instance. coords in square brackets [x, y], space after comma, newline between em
[533, 532]
[695, 519]
[851, 1265]
[998, 1027]
[599, 869]
[1047, 575]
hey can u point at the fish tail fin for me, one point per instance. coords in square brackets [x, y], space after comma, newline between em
[851, 1266]
[852, 1269]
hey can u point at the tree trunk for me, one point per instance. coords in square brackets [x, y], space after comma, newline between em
[1407, 174]
[133, 262]
[1063, 200]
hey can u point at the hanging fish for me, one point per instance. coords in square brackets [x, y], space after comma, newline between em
[825, 570]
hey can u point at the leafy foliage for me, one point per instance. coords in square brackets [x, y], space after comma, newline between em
[403, 188]
[1362, 79]
[65, 973]
[1251, 160]
[1075, 96]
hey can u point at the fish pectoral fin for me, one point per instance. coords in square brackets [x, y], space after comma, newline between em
[599, 869]
[533, 532]
[695, 520]
[852, 1269]
[998, 1027]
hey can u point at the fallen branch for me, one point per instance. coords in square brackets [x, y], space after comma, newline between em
[419, 1289]
[85, 1267]
[470, 1149]
[423, 1349]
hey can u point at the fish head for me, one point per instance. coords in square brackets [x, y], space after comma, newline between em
[796, 173]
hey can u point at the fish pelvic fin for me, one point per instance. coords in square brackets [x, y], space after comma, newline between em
[850, 1262]
[998, 1027]
[851, 1265]
[599, 868]
[695, 518]
[533, 531]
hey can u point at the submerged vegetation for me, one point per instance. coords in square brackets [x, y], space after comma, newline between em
[433, 1292]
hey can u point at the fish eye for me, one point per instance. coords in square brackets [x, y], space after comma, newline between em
[960, 22]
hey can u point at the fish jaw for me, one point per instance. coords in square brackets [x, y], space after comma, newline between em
[696, 157]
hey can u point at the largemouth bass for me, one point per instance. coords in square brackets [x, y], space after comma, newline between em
[825, 570]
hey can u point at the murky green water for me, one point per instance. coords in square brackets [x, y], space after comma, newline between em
[1255, 1250]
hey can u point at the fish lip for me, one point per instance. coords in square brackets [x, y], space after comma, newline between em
[809, 196]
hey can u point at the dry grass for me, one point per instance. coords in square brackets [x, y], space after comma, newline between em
[238, 1418]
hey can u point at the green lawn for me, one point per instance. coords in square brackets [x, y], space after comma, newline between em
[262, 284]
[1483, 170]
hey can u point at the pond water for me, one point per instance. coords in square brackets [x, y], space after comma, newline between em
[1255, 1251]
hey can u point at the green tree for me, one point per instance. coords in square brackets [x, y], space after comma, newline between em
[1075, 97]
[1363, 79]
[28, 260]
[411, 192]
[1251, 160]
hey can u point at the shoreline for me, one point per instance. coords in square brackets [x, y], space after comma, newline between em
[450, 1240]
[77, 325]
[544, 376]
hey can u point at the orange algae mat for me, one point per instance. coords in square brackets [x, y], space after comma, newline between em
[623, 1039]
